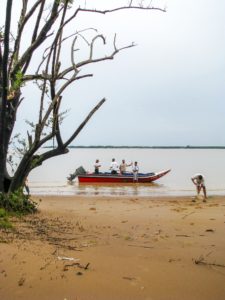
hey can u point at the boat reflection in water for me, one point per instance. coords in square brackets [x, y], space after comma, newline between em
[120, 189]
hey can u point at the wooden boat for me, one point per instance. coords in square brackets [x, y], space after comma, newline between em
[120, 178]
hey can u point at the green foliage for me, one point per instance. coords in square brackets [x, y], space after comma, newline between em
[17, 202]
[2, 213]
[4, 221]
[36, 161]
[19, 80]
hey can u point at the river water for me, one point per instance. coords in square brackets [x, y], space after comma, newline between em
[50, 178]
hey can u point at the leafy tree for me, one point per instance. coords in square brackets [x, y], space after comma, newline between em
[47, 21]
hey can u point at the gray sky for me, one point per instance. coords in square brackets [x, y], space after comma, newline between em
[168, 90]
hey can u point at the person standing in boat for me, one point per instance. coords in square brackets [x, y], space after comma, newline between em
[97, 165]
[135, 170]
[199, 181]
[123, 166]
[114, 166]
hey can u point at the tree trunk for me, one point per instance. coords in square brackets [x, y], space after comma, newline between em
[3, 100]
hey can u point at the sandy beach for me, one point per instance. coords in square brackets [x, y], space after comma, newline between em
[84, 248]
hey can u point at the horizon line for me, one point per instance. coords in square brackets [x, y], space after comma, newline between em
[150, 147]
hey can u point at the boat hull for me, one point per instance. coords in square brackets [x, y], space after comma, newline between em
[118, 178]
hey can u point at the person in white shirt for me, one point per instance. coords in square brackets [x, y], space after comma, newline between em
[97, 165]
[135, 171]
[199, 181]
[114, 166]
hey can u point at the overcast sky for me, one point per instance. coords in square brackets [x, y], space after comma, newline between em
[168, 90]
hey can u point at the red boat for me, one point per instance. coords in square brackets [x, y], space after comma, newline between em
[120, 178]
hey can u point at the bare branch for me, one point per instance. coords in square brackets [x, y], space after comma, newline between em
[22, 22]
[92, 44]
[41, 37]
[47, 52]
[57, 97]
[91, 61]
[35, 32]
[120, 8]
[72, 55]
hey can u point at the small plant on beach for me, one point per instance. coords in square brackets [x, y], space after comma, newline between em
[17, 202]
[4, 220]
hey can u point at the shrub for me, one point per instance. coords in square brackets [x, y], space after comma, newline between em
[17, 202]
[4, 221]
[2, 213]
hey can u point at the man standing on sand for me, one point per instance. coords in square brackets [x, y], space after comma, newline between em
[199, 181]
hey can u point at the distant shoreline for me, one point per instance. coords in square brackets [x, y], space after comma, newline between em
[142, 147]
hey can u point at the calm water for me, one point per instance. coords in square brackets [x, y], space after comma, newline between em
[50, 178]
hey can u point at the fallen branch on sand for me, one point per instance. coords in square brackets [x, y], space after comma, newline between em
[141, 246]
[67, 258]
[201, 261]
[185, 216]
[77, 265]
[182, 235]
[65, 246]
[129, 278]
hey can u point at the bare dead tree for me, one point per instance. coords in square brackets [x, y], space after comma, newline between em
[49, 21]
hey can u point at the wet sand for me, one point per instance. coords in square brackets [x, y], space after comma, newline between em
[84, 248]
